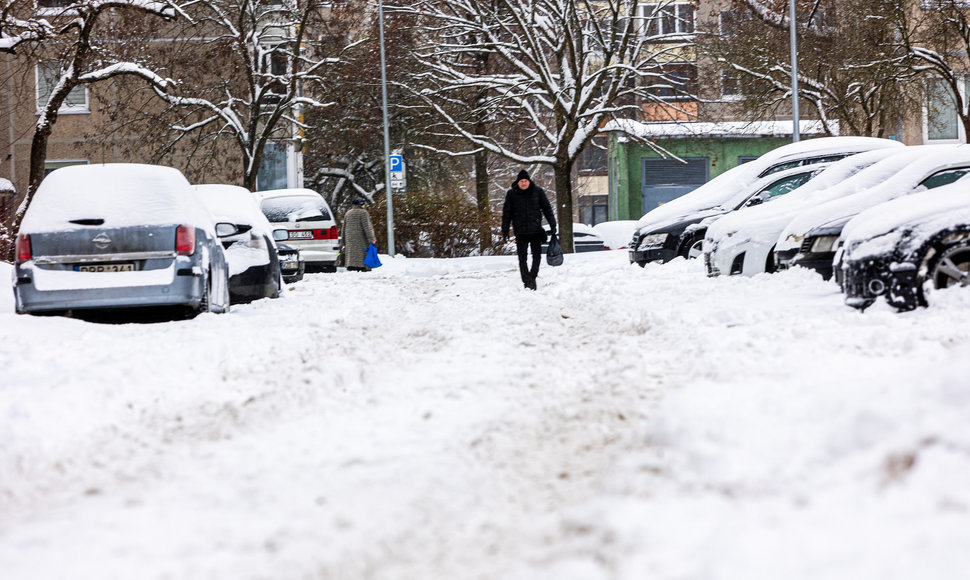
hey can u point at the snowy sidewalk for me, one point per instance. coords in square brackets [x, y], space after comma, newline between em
[432, 419]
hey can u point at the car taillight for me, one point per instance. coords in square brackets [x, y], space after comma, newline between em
[328, 234]
[185, 240]
[23, 248]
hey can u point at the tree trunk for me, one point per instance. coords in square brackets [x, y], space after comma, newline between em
[38, 158]
[564, 203]
[481, 196]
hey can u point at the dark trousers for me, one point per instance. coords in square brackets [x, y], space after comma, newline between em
[533, 242]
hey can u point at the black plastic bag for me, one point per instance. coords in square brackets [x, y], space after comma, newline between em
[554, 251]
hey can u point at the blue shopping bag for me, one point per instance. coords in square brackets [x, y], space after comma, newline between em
[371, 260]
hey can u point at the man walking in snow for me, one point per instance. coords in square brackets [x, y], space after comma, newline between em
[525, 204]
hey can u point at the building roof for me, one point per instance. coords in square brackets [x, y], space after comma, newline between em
[726, 129]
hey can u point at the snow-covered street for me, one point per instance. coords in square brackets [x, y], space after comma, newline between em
[434, 420]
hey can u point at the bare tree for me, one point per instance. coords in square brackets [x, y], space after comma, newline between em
[936, 35]
[851, 70]
[557, 68]
[270, 69]
[73, 47]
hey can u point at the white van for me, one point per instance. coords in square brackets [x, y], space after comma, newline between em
[309, 222]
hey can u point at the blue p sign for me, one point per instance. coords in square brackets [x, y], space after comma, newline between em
[396, 162]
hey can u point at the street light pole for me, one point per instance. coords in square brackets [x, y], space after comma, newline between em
[387, 138]
[794, 71]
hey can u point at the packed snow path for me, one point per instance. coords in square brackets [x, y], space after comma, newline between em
[432, 419]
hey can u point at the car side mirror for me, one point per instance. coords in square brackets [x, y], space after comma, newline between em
[756, 200]
[281, 235]
[226, 229]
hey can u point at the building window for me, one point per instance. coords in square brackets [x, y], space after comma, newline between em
[48, 73]
[667, 19]
[592, 161]
[942, 121]
[730, 84]
[674, 82]
[272, 166]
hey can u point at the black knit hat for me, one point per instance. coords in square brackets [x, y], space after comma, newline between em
[523, 175]
[359, 201]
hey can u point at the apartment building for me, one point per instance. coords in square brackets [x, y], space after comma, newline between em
[700, 119]
[110, 121]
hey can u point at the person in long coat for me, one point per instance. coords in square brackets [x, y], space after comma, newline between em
[525, 204]
[358, 236]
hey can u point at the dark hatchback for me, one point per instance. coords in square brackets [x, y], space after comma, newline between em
[906, 248]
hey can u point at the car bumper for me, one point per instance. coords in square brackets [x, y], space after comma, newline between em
[315, 256]
[652, 255]
[821, 262]
[37, 290]
[867, 280]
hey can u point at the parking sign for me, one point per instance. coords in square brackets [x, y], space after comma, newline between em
[396, 163]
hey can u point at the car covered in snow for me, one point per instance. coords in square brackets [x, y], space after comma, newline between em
[811, 239]
[585, 239]
[309, 223]
[766, 189]
[743, 242]
[904, 249]
[254, 263]
[664, 233]
[292, 266]
[113, 236]
[616, 234]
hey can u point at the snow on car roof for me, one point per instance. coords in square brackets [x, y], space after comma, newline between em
[285, 192]
[734, 181]
[121, 194]
[233, 204]
[929, 210]
[839, 179]
[887, 179]
[617, 234]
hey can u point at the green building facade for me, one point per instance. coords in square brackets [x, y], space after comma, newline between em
[642, 177]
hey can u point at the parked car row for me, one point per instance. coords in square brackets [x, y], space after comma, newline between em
[884, 220]
[124, 236]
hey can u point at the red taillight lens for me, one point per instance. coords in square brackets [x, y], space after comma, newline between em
[327, 234]
[23, 248]
[185, 240]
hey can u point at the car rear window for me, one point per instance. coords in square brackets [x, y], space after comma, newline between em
[292, 208]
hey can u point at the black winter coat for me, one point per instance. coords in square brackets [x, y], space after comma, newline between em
[524, 209]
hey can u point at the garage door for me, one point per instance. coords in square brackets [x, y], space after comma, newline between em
[666, 179]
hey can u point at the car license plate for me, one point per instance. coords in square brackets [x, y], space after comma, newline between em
[301, 235]
[126, 267]
[291, 265]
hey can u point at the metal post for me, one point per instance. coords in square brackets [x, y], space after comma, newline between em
[387, 138]
[794, 71]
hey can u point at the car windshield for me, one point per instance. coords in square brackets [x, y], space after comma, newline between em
[292, 208]
[801, 162]
[945, 177]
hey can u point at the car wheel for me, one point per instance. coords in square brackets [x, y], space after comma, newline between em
[693, 247]
[206, 301]
[770, 265]
[951, 267]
